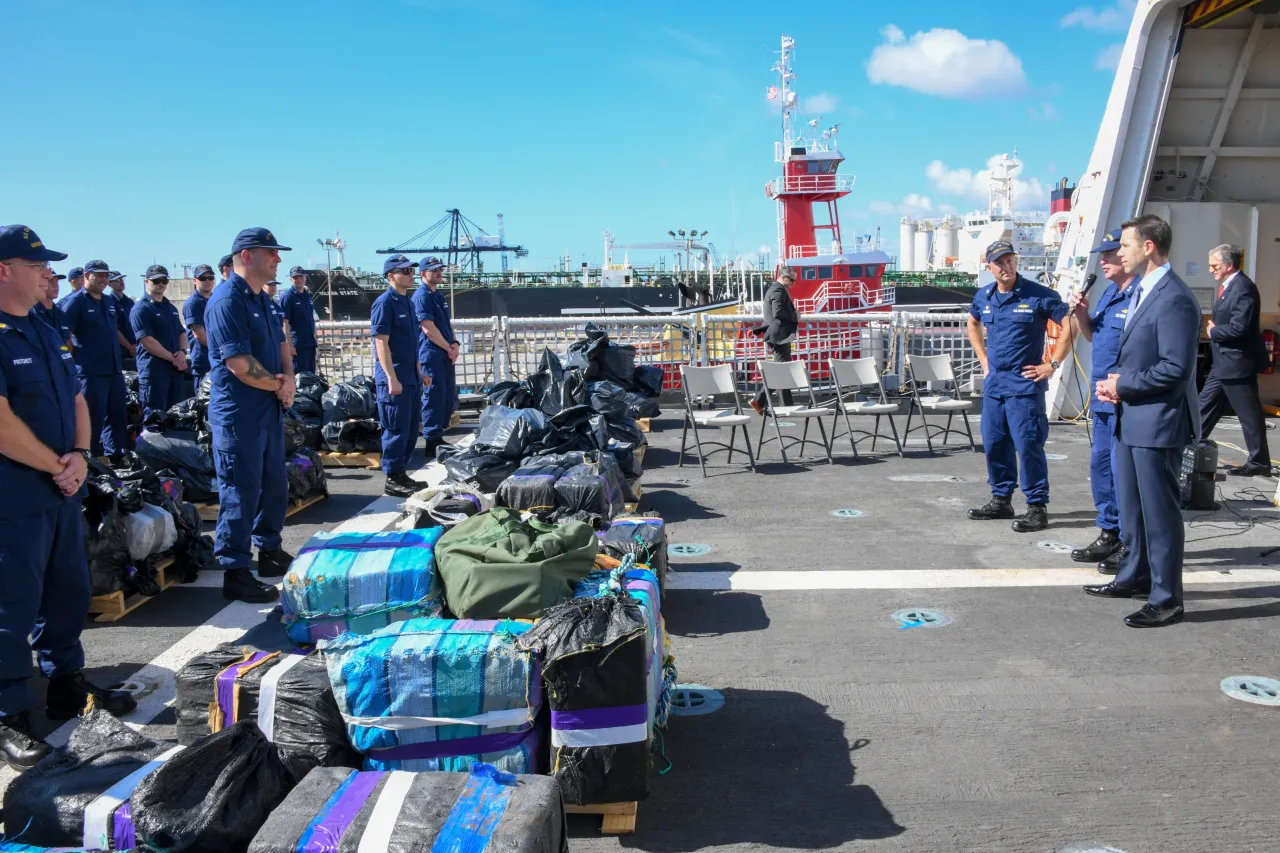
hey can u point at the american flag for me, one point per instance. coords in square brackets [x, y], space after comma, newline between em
[771, 93]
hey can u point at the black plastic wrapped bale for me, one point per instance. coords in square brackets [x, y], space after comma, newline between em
[609, 399]
[350, 400]
[305, 471]
[594, 667]
[628, 463]
[648, 380]
[355, 436]
[553, 389]
[180, 453]
[79, 795]
[311, 388]
[512, 394]
[214, 796]
[294, 432]
[287, 695]
[625, 429]
[477, 811]
[509, 432]
[644, 537]
[106, 543]
[596, 488]
[478, 468]
[533, 485]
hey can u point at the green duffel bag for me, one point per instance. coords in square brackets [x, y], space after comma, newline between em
[496, 566]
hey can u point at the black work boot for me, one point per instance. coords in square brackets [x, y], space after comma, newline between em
[1107, 543]
[241, 585]
[68, 694]
[996, 508]
[1037, 518]
[273, 563]
[1111, 565]
[399, 485]
[19, 749]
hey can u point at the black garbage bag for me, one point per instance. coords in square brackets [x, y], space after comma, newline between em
[350, 400]
[532, 487]
[305, 471]
[311, 386]
[510, 432]
[193, 551]
[511, 394]
[358, 436]
[131, 381]
[624, 453]
[625, 429]
[307, 408]
[587, 354]
[313, 433]
[188, 460]
[596, 488]
[294, 432]
[106, 544]
[554, 389]
[640, 406]
[187, 415]
[46, 805]
[648, 380]
[618, 363]
[214, 795]
[594, 663]
[301, 713]
[477, 467]
[609, 399]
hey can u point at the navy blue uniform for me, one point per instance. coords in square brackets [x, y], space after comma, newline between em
[247, 425]
[159, 382]
[278, 313]
[393, 315]
[54, 317]
[95, 328]
[440, 394]
[300, 312]
[44, 578]
[124, 310]
[1013, 412]
[193, 315]
[1107, 322]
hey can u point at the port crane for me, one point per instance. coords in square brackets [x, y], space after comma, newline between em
[463, 242]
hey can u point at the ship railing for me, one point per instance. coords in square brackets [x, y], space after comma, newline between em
[665, 341]
[845, 295]
[811, 184]
[794, 252]
[919, 333]
[344, 350]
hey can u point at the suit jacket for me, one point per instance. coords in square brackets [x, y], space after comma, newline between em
[1159, 406]
[780, 317]
[1236, 340]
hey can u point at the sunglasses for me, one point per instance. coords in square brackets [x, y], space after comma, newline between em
[164, 281]
[204, 278]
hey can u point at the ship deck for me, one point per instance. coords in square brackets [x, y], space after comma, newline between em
[1034, 720]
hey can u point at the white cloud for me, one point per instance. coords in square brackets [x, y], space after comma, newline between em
[1109, 59]
[913, 204]
[1109, 19]
[1046, 112]
[1027, 194]
[819, 103]
[947, 63]
[764, 250]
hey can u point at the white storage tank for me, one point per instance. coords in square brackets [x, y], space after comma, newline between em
[947, 243]
[923, 245]
[906, 245]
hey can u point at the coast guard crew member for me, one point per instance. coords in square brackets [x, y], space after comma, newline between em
[300, 321]
[47, 309]
[271, 287]
[396, 373]
[1103, 328]
[124, 309]
[162, 346]
[95, 333]
[193, 317]
[1006, 327]
[75, 280]
[250, 386]
[44, 577]
[437, 352]
[224, 267]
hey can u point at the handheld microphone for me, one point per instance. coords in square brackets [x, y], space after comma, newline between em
[1088, 283]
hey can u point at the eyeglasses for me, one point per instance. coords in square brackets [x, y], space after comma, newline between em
[204, 278]
[26, 264]
[1216, 266]
[163, 281]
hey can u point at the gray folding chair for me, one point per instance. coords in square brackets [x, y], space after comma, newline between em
[790, 376]
[851, 376]
[936, 369]
[707, 382]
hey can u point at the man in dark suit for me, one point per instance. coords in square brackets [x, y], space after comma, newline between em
[1238, 356]
[778, 329]
[1157, 415]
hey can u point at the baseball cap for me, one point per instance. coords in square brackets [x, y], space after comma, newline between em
[256, 238]
[156, 271]
[397, 262]
[59, 276]
[224, 261]
[297, 271]
[431, 262]
[1110, 242]
[203, 269]
[19, 241]
[115, 276]
[76, 272]
[96, 266]
[273, 281]
[999, 249]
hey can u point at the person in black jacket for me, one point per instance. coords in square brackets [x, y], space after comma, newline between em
[1238, 355]
[778, 329]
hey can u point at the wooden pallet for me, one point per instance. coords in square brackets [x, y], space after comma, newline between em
[329, 459]
[639, 453]
[615, 818]
[115, 606]
[209, 512]
[643, 423]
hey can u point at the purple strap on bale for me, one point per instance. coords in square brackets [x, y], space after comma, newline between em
[122, 834]
[600, 718]
[325, 833]
[226, 687]
[479, 745]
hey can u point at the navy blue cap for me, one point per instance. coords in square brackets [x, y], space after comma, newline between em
[202, 269]
[273, 281]
[256, 238]
[999, 249]
[19, 241]
[76, 272]
[224, 261]
[431, 262]
[1110, 242]
[96, 266]
[397, 262]
[297, 271]
[59, 276]
[156, 271]
[115, 276]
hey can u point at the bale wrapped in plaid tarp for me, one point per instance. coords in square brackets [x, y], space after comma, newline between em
[483, 810]
[440, 694]
[360, 582]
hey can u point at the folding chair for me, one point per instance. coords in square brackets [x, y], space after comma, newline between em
[851, 375]
[790, 376]
[706, 382]
[936, 369]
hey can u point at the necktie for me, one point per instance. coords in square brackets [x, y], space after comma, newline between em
[1133, 306]
[1222, 288]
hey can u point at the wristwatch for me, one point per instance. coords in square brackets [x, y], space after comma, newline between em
[1055, 364]
[88, 457]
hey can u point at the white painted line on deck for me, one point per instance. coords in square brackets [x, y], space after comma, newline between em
[778, 581]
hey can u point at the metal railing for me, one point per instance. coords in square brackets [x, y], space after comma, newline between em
[664, 341]
[845, 295]
[344, 350]
[811, 184]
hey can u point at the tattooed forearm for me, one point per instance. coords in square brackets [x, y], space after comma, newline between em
[255, 370]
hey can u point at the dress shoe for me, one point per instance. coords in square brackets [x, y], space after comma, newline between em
[1107, 543]
[757, 408]
[1111, 565]
[996, 508]
[429, 449]
[274, 562]
[241, 585]
[1250, 470]
[399, 486]
[1036, 518]
[19, 749]
[1115, 590]
[1151, 616]
[68, 694]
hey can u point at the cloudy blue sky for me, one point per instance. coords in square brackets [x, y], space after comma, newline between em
[153, 130]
